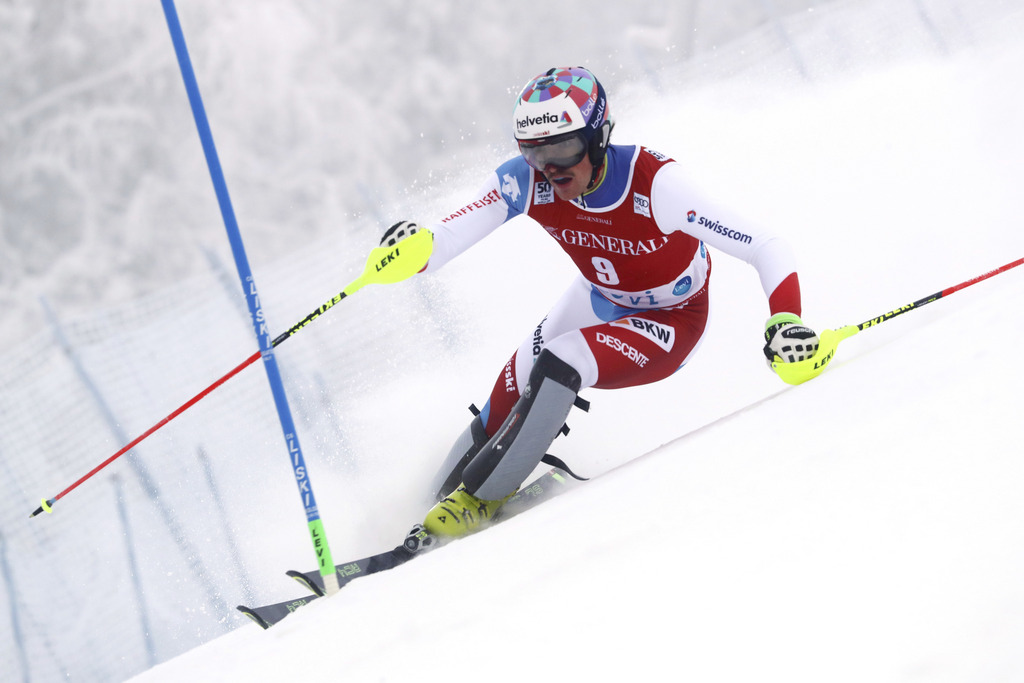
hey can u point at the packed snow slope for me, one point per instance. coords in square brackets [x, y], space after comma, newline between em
[865, 526]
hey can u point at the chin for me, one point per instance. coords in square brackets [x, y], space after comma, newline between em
[566, 191]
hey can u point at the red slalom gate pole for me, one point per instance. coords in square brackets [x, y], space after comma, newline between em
[384, 265]
[47, 504]
[968, 283]
[802, 371]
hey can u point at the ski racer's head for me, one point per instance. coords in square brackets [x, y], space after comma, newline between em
[562, 125]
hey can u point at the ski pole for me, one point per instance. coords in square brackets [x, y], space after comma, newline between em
[828, 341]
[384, 265]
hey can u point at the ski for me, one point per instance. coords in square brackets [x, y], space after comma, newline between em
[353, 570]
[548, 485]
[268, 615]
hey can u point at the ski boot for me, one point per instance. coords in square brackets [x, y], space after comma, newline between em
[460, 513]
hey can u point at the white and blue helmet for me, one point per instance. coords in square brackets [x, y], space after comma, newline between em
[561, 116]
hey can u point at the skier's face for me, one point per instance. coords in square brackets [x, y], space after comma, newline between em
[563, 160]
[569, 183]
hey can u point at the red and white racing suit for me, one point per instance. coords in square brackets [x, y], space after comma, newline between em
[639, 308]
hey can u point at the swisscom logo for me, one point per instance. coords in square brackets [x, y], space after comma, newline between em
[715, 226]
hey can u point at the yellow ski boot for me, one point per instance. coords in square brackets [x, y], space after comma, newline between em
[460, 513]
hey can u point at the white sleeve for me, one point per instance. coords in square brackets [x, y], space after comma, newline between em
[470, 224]
[679, 204]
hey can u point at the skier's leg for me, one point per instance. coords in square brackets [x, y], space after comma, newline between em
[646, 346]
[570, 312]
[630, 349]
[465, 448]
[496, 472]
[533, 423]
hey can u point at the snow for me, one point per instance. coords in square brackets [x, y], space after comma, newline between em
[865, 526]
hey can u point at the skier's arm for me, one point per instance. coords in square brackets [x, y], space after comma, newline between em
[469, 224]
[497, 200]
[679, 205]
[503, 196]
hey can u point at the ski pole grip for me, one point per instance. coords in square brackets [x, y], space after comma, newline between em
[388, 265]
[802, 371]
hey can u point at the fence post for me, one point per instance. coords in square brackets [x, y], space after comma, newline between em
[133, 568]
[12, 598]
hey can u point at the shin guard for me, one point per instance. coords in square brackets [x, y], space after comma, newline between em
[463, 451]
[509, 457]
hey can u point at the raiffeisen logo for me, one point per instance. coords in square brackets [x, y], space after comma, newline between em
[537, 120]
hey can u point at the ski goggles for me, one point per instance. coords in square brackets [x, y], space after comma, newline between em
[560, 151]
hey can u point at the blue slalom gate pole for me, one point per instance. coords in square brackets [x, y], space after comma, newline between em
[291, 438]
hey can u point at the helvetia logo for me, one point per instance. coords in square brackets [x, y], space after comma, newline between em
[536, 120]
[691, 216]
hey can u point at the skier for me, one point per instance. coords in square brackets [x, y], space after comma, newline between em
[639, 232]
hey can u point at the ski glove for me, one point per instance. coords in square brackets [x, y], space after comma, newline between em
[788, 340]
[398, 232]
